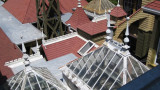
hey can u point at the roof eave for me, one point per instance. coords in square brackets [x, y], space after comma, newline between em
[151, 11]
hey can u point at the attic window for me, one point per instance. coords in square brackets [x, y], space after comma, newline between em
[85, 48]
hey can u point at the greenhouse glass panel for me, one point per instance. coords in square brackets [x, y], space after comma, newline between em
[33, 78]
[104, 69]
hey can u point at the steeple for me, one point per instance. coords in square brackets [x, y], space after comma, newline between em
[79, 3]
[126, 39]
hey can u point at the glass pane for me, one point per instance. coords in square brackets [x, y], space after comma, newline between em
[33, 81]
[42, 83]
[136, 66]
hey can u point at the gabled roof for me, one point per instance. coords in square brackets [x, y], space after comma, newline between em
[118, 12]
[8, 51]
[106, 68]
[66, 6]
[63, 45]
[154, 5]
[93, 28]
[23, 10]
[78, 18]
[99, 6]
[32, 78]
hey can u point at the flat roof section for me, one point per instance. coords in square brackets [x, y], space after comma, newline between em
[14, 29]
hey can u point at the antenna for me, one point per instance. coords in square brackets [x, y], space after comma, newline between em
[126, 39]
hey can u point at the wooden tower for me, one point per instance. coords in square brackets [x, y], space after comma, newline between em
[49, 17]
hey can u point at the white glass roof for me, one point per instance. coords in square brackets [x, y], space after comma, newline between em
[104, 69]
[35, 78]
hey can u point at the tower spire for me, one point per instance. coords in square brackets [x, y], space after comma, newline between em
[79, 3]
[126, 39]
[118, 5]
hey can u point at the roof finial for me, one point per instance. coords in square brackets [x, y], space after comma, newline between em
[118, 5]
[126, 39]
[23, 47]
[79, 3]
[108, 27]
[42, 36]
[37, 46]
[108, 23]
[105, 11]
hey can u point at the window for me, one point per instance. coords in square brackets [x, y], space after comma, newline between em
[85, 48]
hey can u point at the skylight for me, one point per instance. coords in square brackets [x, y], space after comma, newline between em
[33, 78]
[104, 69]
[85, 48]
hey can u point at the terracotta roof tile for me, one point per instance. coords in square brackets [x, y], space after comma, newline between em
[23, 10]
[78, 18]
[71, 45]
[67, 5]
[93, 28]
[8, 51]
[118, 12]
[154, 5]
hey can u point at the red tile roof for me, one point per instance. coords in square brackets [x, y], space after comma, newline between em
[8, 51]
[64, 47]
[93, 28]
[67, 5]
[23, 10]
[78, 18]
[154, 5]
[124, 20]
[118, 12]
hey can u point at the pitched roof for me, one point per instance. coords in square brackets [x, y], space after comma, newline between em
[99, 6]
[23, 10]
[8, 51]
[154, 5]
[93, 28]
[64, 45]
[78, 18]
[103, 68]
[149, 80]
[118, 12]
[35, 76]
[67, 5]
